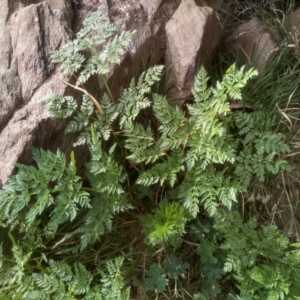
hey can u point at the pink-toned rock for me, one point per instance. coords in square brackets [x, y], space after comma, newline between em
[148, 47]
[30, 125]
[28, 34]
[193, 34]
[40, 33]
[29, 31]
[253, 44]
[292, 25]
[294, 19]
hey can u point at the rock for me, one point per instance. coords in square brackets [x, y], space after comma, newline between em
[295, 18]
[253, 44]
[24, 49]
[10, 96]
[193, 34]
[31, 125]
[84, 7]
[215, 4]
[29, 32]
[292, 24]
[149, 43]
[40, 33]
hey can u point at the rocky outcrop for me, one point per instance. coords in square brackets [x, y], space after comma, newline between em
[293, 20]
[292, 25]
[31, 29]
[253, 44]
[30, 33]
[193, 35]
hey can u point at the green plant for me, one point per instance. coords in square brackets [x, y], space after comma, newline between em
[163, 172]
[263, 262]
[47, 204]
[273, 96]
[261, 147]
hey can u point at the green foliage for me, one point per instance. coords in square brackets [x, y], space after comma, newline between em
[106, 177]
[262, 147]
[63, 282]
[134, 98]
[209, 188]
[175, 267]
[261, 260]
[166, 225]
[95, 32]
[39, 201]
[59, 280]
[164, 172]
[53, 187]
[61, 107]
[155, 280]
[112, 283]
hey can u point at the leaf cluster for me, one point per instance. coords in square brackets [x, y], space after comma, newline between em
[173, 168]
[261, 259]
[262, 148]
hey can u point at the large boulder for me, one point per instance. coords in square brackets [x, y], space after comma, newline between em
[30, 30]
[292, 25]
[30, 33]
[253, 44]
[193, 35]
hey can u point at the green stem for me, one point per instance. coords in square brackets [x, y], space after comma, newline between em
[135, 262]
[108, 90]
[106, 255]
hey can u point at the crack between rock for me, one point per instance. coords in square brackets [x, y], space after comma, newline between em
[11, 52]
[45, 64]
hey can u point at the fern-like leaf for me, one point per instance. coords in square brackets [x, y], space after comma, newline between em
[166, 225]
